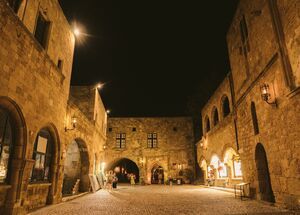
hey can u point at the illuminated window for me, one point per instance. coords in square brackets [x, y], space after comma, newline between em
[5, 145]
[121, 140]
[222, 170]
[42, 155]
[152, 140]
[237, 167]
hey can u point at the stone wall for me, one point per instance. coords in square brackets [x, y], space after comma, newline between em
[34, 91]
[220, 139]
[273, 60]
[175, 146]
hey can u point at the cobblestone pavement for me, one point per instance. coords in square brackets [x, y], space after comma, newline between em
[156, 199]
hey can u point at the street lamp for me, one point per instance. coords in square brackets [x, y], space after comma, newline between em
[73, 124]
[266, 95]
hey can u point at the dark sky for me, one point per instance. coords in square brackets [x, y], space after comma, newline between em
[156, 57]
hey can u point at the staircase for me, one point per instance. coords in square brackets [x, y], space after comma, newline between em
[70, 186]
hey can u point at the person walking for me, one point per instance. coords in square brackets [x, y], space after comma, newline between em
[115, 181]
[132, 179]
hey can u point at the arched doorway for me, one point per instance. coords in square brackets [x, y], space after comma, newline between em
[264, 182]
[123, 169]
[76, 168]
[157, 175]
[12, 151]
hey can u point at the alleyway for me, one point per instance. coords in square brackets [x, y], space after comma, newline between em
[160, 200]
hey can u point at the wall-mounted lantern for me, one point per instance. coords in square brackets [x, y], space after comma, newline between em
[266, 94]
[73, 124]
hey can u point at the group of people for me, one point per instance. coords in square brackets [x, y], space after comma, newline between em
[110, 180]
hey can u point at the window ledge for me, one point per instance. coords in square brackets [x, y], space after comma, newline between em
[39, 184]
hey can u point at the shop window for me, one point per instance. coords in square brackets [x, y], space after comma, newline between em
[215, 116]
[121, 140]
[225, 106]
[42, 30]
[237, 167]
[152, 140]
[254, 118]
[5, 144]
[42, 155]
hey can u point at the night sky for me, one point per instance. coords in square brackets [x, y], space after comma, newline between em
[157, 58]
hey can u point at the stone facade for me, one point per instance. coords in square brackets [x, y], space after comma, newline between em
[218, 143]
[263, 46]
[174, 151]
[36, 56]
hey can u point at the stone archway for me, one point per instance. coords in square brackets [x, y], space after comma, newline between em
[123, 168]
[263, 175]
[76, 168]
[157, 174]
[15, 172]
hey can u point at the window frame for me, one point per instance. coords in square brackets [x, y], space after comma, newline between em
[48, 158]
[46, 36]
[152, 140]
[120, 137]
[7, 125]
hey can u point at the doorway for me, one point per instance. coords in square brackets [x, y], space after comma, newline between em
[264, 182]
[124, 168]
[157, 175]
[76, 169]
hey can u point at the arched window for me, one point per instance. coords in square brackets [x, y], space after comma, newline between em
[225, 106]
[215, 116]
[254, 118]
[207, 124]
[5, 144]
[42, 155]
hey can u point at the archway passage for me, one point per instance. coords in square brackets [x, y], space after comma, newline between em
[157, 175]
[76, 169]
[123, 169]
[264, 182]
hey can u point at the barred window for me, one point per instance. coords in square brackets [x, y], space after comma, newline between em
[152, 140]
[121, 140]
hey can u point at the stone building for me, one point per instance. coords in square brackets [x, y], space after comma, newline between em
[36, 55]
[155, 146]
[218, 155]
[264, 50]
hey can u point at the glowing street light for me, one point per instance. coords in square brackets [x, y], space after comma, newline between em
[108, 111]
[77, 32]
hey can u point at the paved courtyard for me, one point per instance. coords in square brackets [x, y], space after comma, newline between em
[156, 199]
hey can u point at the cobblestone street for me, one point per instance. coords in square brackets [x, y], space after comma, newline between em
[160, 200]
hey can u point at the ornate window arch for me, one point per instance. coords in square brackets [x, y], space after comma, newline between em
[207, 124]
[215, 116]
[225, 106]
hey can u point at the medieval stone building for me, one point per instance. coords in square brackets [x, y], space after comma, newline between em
[42, 131]
[264, 50]
[156, 146]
